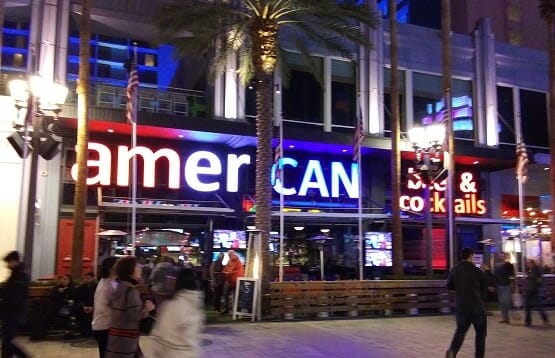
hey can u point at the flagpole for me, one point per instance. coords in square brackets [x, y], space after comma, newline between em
[520, 183]
[360, 239]
[134, 160]
[281, 217]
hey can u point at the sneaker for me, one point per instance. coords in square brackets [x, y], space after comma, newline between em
[449, 354]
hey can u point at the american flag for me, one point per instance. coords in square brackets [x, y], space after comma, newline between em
[358, 137]
[132, 85]
[521, 162]
[277, 156]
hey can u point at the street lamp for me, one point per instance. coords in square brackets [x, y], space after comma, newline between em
[42, 100]
[427, 141]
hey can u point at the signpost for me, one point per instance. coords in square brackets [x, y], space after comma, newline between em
[245, 302]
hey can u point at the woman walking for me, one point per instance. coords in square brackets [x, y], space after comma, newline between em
[127, 311]
[102, 312]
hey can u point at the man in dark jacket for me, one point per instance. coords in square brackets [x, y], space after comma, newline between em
[533, 285]
[84, 295]
[14, 299]
[469, 284]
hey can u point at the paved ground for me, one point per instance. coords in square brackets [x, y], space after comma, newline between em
[424, 337]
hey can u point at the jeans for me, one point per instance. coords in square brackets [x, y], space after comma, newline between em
[10, 349]
[102, 340]
[228, 289]
[465, 316]
[504, 298]
[533, 299]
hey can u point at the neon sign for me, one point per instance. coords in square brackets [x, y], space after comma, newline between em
[468, 203]
[202, 171]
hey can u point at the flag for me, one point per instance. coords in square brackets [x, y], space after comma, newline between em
[521, 162]
[277, 156]
[132, 85]
[358, 137]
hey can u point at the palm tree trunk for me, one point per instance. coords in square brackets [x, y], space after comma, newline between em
[446, 70]
[80, 196]
[397, 229]
[264, 133]
[551, 116]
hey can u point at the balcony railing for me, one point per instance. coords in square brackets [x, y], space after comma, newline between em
[154, 99]
[167, 100]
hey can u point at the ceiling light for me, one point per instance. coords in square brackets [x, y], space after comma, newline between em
[476, 162]
[291, 146]
[251, 227]
[110, 130]
[324, 231]
[180, 135]
[529, 208]
[344, 150]
[298, 228]
[546, 168]
[274, 233]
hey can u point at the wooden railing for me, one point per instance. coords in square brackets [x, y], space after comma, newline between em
[358, 298]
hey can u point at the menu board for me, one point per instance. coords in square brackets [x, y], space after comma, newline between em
[245, 303]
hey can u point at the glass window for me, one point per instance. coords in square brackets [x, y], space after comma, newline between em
[534, 118]
[429, 106]
[387, 100]
[505, 114]
[427, 98]
[343, 96]
[463, 110]
[302, 98]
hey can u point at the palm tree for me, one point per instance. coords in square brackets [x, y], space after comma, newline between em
[80, 195]
[397, 230]
[251, 30]
[446, 72]
[547, 12]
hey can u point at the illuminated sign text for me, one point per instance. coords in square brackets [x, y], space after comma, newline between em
[202, 171]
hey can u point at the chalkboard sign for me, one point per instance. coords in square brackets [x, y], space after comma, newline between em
[246, 293]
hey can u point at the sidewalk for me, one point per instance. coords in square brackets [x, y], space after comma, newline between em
[423, 336]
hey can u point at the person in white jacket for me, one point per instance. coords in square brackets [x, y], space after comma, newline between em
[179, 323]
[102, 313]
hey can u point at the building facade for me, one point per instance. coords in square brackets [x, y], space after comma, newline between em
[204, 132]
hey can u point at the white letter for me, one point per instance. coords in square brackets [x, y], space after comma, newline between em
[314, 168]
[149, 159]
[193, 170]
[338, 173]
[277, 186]
[104, 164]
[233, 165]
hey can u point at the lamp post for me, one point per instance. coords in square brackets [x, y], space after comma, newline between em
[427, 141]
[42, 101]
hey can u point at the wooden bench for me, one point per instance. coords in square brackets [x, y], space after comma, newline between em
[358, 298]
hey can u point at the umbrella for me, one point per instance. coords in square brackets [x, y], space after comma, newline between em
[320, 238]
[112, 233]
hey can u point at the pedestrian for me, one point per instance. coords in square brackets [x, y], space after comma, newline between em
[176, 333]
[159, 283]
[13, 296]
[217, 281]
[469, 284]
[84, 302]
[490, 286]
[232, 270]
[532, 293]
[504, 273]
[127, 311]
[102, 312]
